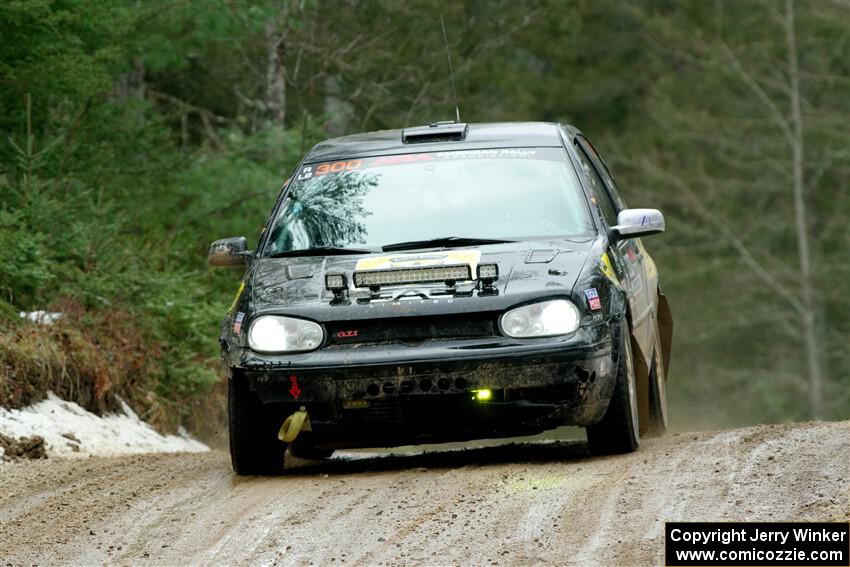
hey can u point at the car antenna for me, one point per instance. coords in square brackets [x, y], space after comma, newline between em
[451, 71]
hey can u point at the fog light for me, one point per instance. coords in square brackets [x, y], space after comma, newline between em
[488, 272]
[482, 395]
[334, 282]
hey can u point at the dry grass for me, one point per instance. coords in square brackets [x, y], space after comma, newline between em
[85, 359]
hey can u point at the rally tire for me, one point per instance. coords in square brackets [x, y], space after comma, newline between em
[618, 431]
[254, 446]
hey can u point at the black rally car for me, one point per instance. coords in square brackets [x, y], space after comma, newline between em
[445, 282]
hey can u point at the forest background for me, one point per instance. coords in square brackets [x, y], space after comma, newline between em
[133, 133]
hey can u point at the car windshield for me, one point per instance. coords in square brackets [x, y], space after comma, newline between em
[507, 194]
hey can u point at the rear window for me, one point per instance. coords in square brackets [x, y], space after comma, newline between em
[514, 193]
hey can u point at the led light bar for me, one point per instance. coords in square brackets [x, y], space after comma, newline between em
[412, 275]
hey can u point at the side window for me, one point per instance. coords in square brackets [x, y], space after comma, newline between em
[602, 168]
[609, 211]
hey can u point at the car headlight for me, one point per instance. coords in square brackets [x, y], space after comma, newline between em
[544, 319]
[272, 334]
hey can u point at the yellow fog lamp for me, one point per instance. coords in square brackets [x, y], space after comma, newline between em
[482, 395]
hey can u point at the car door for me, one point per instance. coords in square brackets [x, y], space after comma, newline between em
[628, 256]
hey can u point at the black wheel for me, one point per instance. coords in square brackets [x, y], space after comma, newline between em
[617, 432]
[303, 448]
[254, 446]
[657, 392]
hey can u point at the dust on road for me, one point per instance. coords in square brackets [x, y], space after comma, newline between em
[541, 504]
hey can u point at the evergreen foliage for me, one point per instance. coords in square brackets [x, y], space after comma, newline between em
[133, 134]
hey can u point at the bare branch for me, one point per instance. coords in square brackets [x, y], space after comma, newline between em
[726, 231]
[757, 90]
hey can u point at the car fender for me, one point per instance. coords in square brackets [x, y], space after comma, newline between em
[641, 363]
[642, 360]
[665, 330]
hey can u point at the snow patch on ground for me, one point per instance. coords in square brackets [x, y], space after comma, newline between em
[69, 430]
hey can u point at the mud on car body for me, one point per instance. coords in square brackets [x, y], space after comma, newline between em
[441, 283]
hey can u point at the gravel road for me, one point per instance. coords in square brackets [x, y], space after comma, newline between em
[526, 504]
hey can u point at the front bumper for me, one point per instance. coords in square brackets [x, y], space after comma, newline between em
[380, 394]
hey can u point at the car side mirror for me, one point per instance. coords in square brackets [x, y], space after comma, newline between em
[632, 223]
[229, 252]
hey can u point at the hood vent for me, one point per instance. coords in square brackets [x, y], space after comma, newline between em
[300, 271]
[540, 256]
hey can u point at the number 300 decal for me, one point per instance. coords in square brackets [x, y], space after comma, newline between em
[339, 166]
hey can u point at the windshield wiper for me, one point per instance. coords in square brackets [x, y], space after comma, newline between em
[445, 242]
[319, 251]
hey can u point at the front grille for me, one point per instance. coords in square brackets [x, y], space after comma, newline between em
[403, 329]
[389, 410]
[425, 414]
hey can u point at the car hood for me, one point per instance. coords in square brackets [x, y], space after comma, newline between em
[528, 270]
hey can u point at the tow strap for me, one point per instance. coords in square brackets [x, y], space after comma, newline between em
[293, 425]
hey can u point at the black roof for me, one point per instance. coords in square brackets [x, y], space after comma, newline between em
[478, 136]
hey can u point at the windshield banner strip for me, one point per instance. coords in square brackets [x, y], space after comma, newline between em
[348, 166]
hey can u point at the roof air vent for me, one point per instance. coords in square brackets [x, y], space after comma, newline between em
[435, 132]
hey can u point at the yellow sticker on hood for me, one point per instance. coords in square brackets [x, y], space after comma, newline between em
[424, 260]
[236, 299]
[607, 269]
